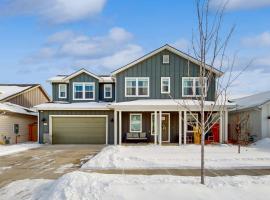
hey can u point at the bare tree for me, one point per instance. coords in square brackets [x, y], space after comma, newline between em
[209, 45]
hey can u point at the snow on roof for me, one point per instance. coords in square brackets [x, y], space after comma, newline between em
[107, 79]
[14, 108]
[73, 106]
[56, 78]
[9, 90]
[252, 101]
[62, 78]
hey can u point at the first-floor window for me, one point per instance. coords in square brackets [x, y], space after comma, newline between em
[62, 91]
[84, 91]
[135, 122]
[107, 91]
[136, 87]
[192, 87]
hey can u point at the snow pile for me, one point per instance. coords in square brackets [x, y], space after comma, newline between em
[264, 143]
[81, 185]
[15, 148]
[216, 157]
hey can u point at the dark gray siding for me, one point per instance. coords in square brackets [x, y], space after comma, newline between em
[155, 69]
[101, 92]
[55, 92]
[44, 115]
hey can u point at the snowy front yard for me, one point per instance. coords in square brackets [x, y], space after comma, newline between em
[15, 148]
[216, 157]
[81, 185]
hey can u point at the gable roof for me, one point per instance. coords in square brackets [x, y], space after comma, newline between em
[252, 101]
[169, 48]
[8, 91]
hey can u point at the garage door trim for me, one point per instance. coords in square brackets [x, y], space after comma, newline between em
[94, 116]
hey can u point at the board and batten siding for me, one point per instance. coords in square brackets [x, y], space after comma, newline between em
[55, 92]
[101, 92]
[155, 69]
[44, 116]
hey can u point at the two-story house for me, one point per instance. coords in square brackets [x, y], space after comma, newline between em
[139, 102]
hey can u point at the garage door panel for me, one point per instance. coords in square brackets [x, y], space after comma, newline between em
[79, 130]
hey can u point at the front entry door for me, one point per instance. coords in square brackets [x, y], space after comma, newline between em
[165, 127]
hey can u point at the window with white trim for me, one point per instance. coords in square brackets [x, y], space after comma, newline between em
[137, 87]
[84, 91]
[107, 91]
[62, 91]
[165, 85]
[191, 87]
[135, 124]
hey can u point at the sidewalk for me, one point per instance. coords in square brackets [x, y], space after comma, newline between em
[185, 172]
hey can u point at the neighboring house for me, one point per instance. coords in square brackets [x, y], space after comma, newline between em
[17, 118]
[132, 104]
[254, 112]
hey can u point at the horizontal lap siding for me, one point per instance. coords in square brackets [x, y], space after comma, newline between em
[44, 129]
[155, 69]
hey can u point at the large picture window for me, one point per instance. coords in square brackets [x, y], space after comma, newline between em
[135, 123]
[137, 87]
[191, 87]
[84, 91]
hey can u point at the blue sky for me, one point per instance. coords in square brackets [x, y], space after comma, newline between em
[40, 39]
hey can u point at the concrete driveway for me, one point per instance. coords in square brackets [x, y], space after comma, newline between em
[49, 161]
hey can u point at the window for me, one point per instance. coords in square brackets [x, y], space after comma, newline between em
[62, 91]
[192, 122]
[166, 59]
[191, 87]
[107, 91]
[135, 123]
[165, 84]
[137, 87]
[84, 91]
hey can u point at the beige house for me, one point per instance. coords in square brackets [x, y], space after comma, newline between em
[18, 121]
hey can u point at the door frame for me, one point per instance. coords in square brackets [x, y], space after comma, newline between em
[90, 116]
[169, 125]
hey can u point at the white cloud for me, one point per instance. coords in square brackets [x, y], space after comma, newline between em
[55, 11]
[240, 4]
[260, 40]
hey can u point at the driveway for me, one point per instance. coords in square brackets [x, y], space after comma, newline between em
[49, 161]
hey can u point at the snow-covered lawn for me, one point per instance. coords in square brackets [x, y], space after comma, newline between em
[216, 157]
[15, 148]
[81, 185]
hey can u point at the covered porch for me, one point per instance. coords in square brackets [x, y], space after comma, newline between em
[163, 121]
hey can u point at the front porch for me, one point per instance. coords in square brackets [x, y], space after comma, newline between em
[163, 124]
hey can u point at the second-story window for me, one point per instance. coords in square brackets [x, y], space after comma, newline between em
[83, 91]
[107, 91]
[165, 85]
[137, 87]
[191, 87]
[62, 91]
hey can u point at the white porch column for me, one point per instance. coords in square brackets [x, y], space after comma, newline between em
[120, 127]
[180, 127]
[160, 127]
[185, 127]
[115, 127]
[226, 126]
[155, 128]
[220, 126]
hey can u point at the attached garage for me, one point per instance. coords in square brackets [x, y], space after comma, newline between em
[79, 129]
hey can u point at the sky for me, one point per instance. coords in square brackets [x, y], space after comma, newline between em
[40, 39]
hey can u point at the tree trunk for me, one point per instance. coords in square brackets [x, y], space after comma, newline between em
[202, 145]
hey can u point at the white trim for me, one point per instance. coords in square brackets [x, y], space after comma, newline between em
[104, 92]
[90, 116]
[115, 127]
[220, 127]
[226, 126]
[193, 86]
[164, 56]
[59, 91]
[180, 127]
[160, 127]
[185, 127]
[130, 122]
[137, 79]
[79, 72]
[168, 47]
[38, 127]
[83, 91]
[169, 126]
[156, 126]
[120, 127]
[161, 85]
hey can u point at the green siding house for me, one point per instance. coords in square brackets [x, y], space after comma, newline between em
[138, 102]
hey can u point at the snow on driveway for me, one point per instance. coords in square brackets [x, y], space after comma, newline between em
[15, 148]
[188, 156]
[82, 185]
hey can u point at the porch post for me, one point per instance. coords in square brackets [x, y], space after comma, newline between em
[220, 126]
[185, 127]
[120, 127]
[180, 127]
[115, 127]
[160, 127]
[155, 128]
[226, 126]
